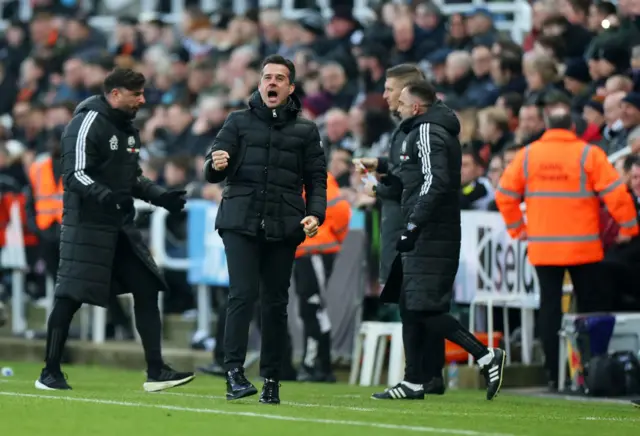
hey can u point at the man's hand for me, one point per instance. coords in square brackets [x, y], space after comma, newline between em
[173, 201]
[310, 225]
[219, 160]
[522, 236]
[369, 164]
[407, 241]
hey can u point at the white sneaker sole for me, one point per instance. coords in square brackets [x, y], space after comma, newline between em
[161, 386]
[44, 387]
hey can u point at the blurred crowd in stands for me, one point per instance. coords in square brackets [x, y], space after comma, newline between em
[581, 54]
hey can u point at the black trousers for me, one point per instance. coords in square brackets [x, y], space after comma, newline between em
[252, 260]
[423, 346]
[311, 275]
[131, 275]
[591, 296]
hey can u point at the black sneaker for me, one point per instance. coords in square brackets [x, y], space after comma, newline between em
[166, 378]
[435, 386]
[635, 403]
[52, 381]
[399, 392]
[238, 386]
[493, 373]
[213, 369]
[270, 392]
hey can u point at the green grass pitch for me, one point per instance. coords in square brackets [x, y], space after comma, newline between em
[109, 402]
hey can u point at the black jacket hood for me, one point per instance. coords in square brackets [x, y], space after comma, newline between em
[438, 114]
[100, 104]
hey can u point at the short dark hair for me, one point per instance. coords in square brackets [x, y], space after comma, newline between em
[606, 8]
[469, 150]
[424, 90]
[513, 101]
[124, 78]
[511, 63]
[534, 104]
[630, 161]
[581, 5]
[280, 60]
[405, 73]
[555, 43]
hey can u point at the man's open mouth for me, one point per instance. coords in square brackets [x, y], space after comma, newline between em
[272, 93]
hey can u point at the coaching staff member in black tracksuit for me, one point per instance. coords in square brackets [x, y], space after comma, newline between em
[389, 191]
[100, 249]
[268, 154]
[430, 245]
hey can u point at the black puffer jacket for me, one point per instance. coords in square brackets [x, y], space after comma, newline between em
[273, 154]
[430, 173]
[100, 149]
[389, 191]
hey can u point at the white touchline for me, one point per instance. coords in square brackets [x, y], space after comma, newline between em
[353, 408]
[261, 415]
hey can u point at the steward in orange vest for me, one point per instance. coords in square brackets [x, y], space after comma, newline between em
[44, 206]
[562, 181]
[312, 269]
[335, 227]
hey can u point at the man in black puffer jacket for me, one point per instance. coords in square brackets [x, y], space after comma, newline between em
[268, 154]
[101, 252]
[430, 245]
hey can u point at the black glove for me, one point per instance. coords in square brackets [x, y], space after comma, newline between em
[407, 241]
[119, 201]
[173, 201]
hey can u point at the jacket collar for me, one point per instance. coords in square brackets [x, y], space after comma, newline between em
[559, 135]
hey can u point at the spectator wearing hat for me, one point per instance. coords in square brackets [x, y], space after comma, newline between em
[614, 59]
[576, 81]
[437, 61]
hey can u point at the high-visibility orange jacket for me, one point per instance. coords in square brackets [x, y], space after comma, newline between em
[335, 227]
[562, 180]
[47, 194]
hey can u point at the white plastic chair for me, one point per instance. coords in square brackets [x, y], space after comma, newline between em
[370, 347]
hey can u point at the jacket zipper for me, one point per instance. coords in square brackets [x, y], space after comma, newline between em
[266, 176]
[275, 114]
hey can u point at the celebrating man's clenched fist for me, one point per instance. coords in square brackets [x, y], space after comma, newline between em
[220, 160]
